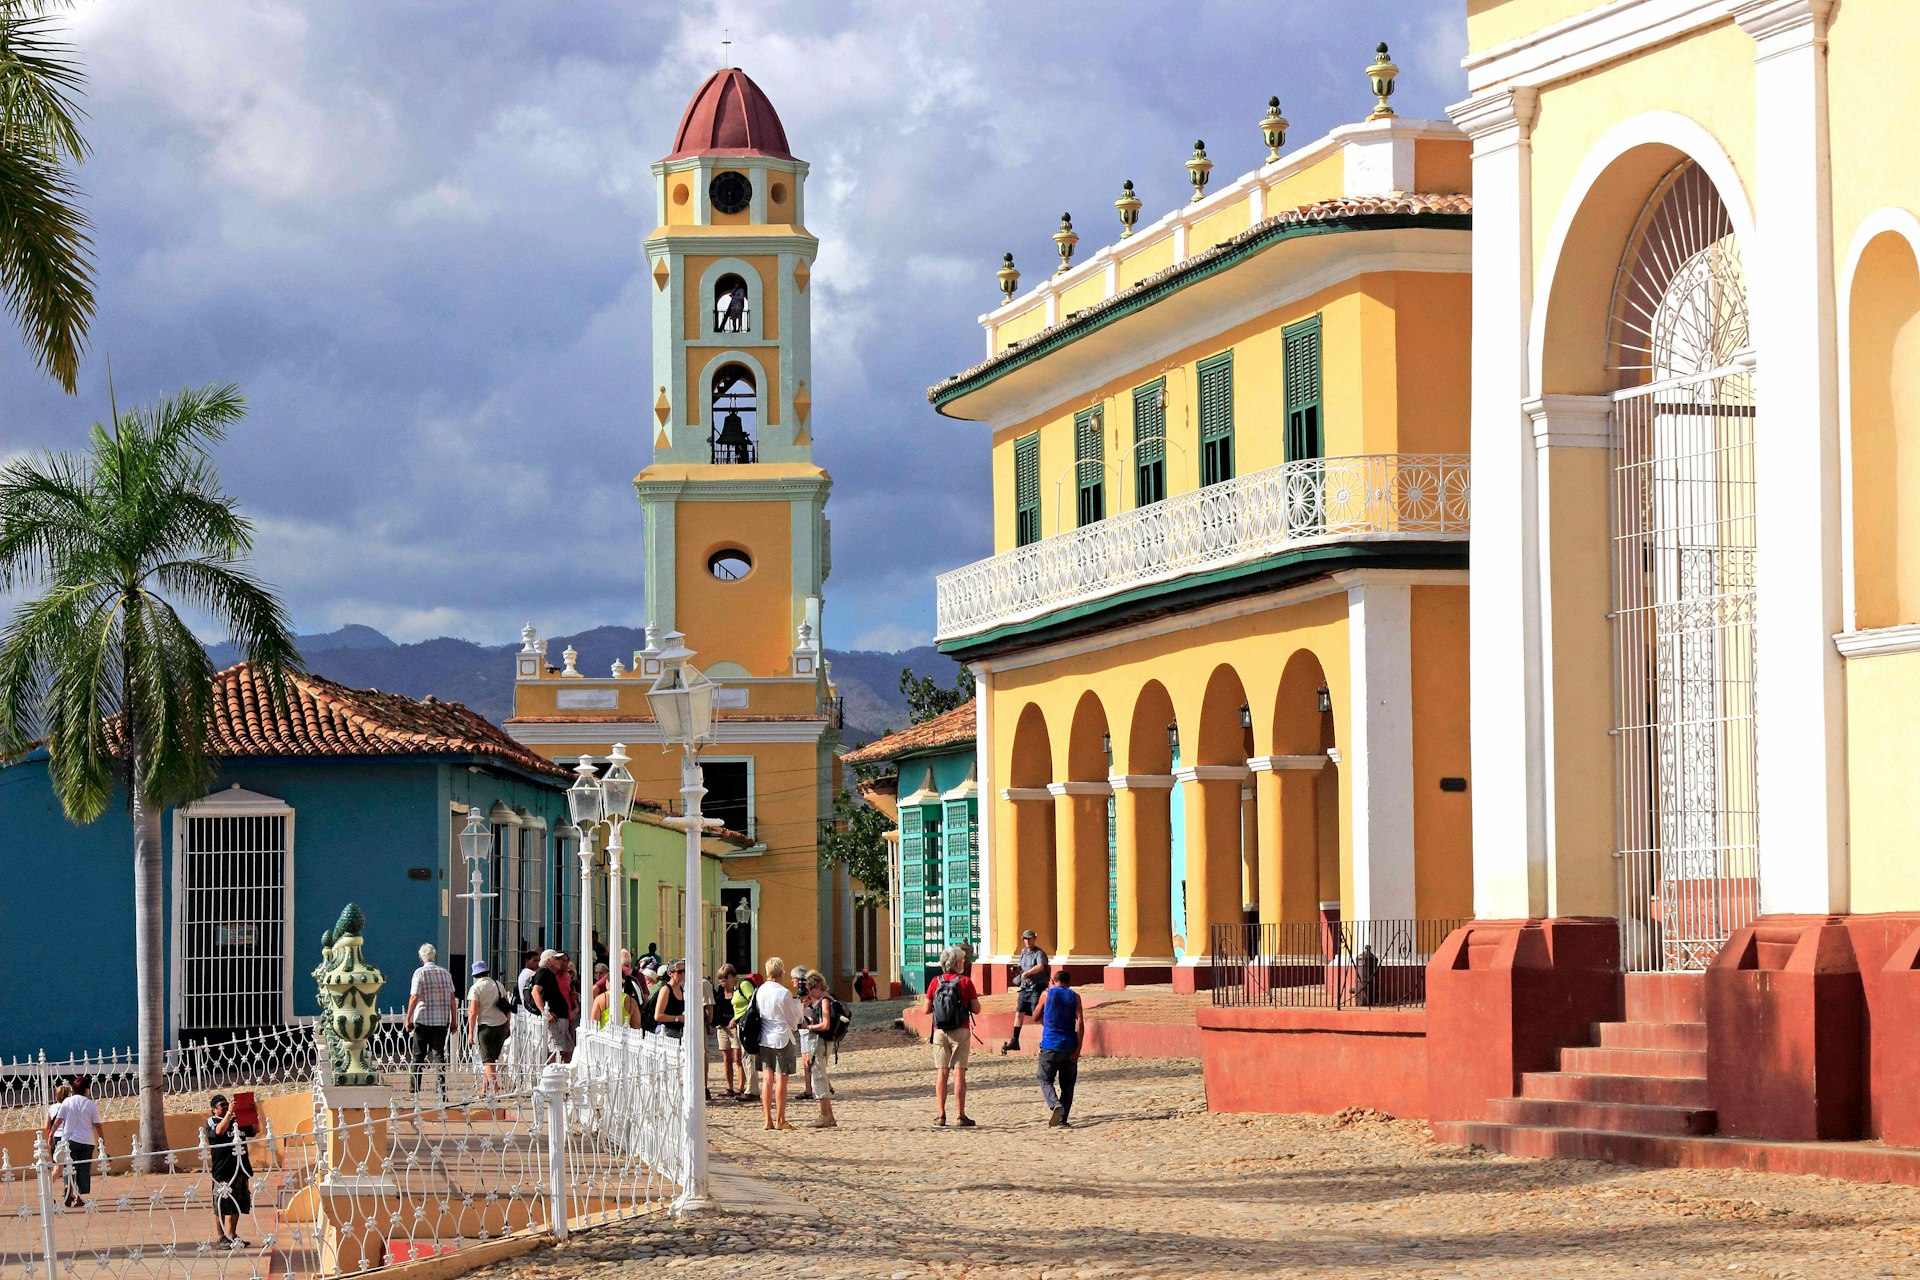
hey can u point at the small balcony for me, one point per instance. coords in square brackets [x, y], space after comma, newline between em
[1371, 498]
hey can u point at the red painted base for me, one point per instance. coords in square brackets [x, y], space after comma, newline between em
[989, 979]
[1892, 990]
[1189, 978]
[1118, 978]
[1857, 1161]
[1315, 1060]
[894, 991]
[1084, 975]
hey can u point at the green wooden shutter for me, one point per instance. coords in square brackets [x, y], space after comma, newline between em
[957, 875]
[1090, 464]
[913, 906]
[1149, 443]
[973, 873]
[1216, 418]
[1301, 348]
[1026, 490]
[934, 909]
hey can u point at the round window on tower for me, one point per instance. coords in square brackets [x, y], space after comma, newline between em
[730, 565]
[730, 192]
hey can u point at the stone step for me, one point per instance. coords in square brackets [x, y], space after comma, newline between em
[1652, 1091]
[1616, 1117]
[1665, 997]
[1635, 1062]
[1856, 1161]
[1651, 1035]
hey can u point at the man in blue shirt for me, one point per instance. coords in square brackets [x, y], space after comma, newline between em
[1063, 1026]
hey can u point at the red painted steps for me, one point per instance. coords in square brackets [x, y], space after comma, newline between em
[1686, 1064]
[1652, 1091]
[1856, 1161]
[1615, 1117]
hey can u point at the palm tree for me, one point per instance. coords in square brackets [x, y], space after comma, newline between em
[102, 667]
[46, 276]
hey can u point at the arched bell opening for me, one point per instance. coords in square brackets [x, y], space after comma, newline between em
[732, 304]
[736, 414]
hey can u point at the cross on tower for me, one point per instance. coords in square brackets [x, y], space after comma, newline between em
[726, 48]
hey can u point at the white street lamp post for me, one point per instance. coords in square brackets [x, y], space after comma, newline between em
[682, 701]
[616, 805]
[475, 842]
[584, 802]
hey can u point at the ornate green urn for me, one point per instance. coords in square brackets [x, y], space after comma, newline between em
[349, 987]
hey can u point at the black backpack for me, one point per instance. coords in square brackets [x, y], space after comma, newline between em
[949, 1009]
[747, 1026]
[839, 1018]
[647, 1009]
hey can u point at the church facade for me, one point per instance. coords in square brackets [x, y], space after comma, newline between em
[735, 536]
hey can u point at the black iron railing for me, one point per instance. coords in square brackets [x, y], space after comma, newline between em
[1337, 964]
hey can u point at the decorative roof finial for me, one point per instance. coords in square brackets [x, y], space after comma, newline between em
[1129, 206]
[1009, 277]
[571, 657]
[1198, 168]
[1273, 129]
[1064, 239]
[528, 639]
[1380, 76]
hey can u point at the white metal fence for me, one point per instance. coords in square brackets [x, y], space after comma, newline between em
[382, 1176]
[1372, 497]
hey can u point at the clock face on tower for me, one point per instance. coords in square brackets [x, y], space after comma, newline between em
[730, 191]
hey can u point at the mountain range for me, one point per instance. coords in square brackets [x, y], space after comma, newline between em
[481, 675]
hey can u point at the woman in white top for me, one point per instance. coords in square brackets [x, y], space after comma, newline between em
[779, 1017]
[76, 1118]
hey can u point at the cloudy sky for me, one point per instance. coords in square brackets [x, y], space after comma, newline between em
[410, 230]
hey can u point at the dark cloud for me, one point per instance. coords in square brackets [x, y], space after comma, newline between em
[411, 232]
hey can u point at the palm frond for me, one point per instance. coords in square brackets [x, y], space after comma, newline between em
[172, 679]
[45, 509]
[39, 82]
[46, 273]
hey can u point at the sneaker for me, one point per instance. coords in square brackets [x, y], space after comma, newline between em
[966, 1122]
[824, 1124]
[1057, 1117]
[1009, 1047]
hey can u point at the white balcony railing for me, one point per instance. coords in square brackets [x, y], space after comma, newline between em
[1370, 498]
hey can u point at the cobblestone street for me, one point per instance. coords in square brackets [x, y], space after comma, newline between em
[1148, 1184]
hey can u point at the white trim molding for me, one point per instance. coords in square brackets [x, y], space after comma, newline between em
[1211, 773]
[1057, 789]
[1141, 781]
[1016, 794]
[647, 733]
[1878, 642]
[1281, 764]
[1570, 422]
[1604, 33]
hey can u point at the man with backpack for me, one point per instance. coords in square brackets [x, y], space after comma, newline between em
[953, 1003]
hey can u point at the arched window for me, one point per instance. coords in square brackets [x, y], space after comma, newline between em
[732, 304]
[735, 420]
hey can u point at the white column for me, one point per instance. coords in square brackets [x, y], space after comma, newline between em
[1802, 720]
[694, 1040]
[1380, 749]
[616, 901]
[1504, 662]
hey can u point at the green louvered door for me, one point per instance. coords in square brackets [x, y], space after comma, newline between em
[913, 898]
[1090, 465]
[960, 830]
[1149, 443]
[1306, 498]
[934, 909]
[1216, 418]
[1026, 490]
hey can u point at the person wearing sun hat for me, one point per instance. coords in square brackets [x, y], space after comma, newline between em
[489, 1022]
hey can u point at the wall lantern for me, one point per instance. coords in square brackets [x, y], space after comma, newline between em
[1273, 129]
[1325, 698]
[1246, 717]
[1106, 746]
[1173, 737]
[1129, 206]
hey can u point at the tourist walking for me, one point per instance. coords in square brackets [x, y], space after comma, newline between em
[231, 1170]
[431, 1007]
[953, 1003]
[1032, 976]
[744, 987]
[865, 987]
[554, 997]
[76, 1120]
[779, 1020]
[815, 1022]
[489, 1017]
[670, 1005]
[529, 970]
[1063, 1027]
[725, 983]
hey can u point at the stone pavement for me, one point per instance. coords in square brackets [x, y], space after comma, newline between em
[1148, 1184]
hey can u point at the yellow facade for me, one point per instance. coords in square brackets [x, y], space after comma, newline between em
[1169, 736]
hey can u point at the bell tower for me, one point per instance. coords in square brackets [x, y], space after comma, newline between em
[736, 531]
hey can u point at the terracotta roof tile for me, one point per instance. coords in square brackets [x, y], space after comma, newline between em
[321, 718]
[1401, 202]
[948, 729]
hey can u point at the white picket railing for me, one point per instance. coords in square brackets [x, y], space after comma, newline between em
[1383, 497]
[561, 1147]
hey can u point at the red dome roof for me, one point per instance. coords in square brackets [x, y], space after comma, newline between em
[730, 116]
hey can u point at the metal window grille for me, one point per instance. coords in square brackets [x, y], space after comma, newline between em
[566, 878]
[1149, 443]
[1026, 490]
[235, 899]
[1685, 664]
[1216, 418]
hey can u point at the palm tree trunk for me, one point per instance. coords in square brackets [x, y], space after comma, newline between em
[149, 965]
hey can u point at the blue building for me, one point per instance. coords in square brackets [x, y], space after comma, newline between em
[934, 798]
[338, 795]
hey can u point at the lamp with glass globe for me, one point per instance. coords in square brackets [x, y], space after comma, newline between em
[476, 842]
[682, 702]
[616, 806]
[584, 800]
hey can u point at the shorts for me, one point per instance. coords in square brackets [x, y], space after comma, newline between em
[784, 1059]
[1027, 1001]
[818, 1081]
[560, 1035]
[491, 1041]
[951, 1048]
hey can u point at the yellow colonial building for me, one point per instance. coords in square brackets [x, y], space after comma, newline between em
[735, 535]
[1221, 647]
